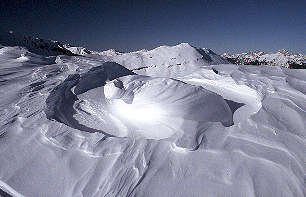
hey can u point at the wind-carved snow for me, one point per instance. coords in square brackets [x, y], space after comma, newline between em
[158, 108]
[84, 126]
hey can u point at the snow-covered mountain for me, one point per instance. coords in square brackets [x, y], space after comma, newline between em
[77, 50]
[280, 58]
[35, 45]
[167, 60]
[165, 122]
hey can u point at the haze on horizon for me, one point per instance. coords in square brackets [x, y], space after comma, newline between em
[128, 25]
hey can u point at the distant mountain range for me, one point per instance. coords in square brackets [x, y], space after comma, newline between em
[46, 47]
[181, 54]
[282, 58]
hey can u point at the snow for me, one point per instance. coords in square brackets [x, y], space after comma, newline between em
[155, 108]
[162, 122]
[165, 60]
[77, 50]
[282, 58]
[35, 45]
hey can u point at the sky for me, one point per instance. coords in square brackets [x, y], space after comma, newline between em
[128, 25]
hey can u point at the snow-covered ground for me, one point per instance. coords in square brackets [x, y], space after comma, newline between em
[171, 122]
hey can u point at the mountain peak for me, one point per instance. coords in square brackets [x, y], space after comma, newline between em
[184, 44]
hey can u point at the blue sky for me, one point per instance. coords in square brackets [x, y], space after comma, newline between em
[125, 25]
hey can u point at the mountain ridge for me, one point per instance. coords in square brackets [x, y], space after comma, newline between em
[281, 57]
[47, 47]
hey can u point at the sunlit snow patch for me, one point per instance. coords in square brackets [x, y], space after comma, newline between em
[129, 107]
[138, 112]
[22, 58]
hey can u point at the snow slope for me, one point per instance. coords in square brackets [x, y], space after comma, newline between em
[84, 126]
